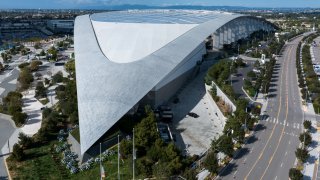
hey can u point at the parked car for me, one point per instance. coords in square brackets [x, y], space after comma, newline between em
[192, 114]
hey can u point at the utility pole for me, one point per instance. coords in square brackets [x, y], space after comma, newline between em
[245, 121]
[133, 154]
[100, 164]
[118, 159]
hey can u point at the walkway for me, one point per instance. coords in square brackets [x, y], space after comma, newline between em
[32, 107]
[194, 135]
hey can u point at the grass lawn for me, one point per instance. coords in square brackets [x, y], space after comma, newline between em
[39, 164]
[44, 101]
[42, 164]
[110, 168]
[76, 134]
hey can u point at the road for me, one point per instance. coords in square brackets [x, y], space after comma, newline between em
[6, 130]
[270, 152]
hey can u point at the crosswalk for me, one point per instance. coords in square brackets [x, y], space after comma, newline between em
[283, 123]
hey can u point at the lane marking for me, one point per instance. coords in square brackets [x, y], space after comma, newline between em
[279, 109]
[287, 110]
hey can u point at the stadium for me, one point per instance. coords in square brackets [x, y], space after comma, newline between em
[128, 58]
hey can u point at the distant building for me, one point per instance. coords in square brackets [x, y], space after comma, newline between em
[127, 58]
[60, 26]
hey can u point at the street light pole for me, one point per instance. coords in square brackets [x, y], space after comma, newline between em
[133, 155]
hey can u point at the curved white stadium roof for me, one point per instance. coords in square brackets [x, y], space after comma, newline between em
[121, 56]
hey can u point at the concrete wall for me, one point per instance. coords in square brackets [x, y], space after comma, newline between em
[188, 63]
[75, 146]
[169, 86]
[226, 99]
[94, 150]
[214, 104]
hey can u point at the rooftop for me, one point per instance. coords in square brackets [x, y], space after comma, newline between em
[159, 16]
[128, 36]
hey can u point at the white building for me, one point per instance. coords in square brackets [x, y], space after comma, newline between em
[125, 58]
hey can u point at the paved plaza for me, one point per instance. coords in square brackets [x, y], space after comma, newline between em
[194, 135]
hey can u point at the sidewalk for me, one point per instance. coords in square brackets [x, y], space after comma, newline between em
[309, 167]
[32, 107]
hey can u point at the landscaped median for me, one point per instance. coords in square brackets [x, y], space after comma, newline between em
[239, 119]
[308, 79]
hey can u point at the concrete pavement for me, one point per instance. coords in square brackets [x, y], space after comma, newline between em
[194, 135]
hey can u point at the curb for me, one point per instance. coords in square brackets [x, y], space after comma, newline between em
[247, 94]
[8, 118]
[7, 169]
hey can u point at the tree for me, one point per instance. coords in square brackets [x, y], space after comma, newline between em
[190, 174]
[58, 77]
[40, 90]
[42, 53]
[34, 66]
[53, 53]
[125, 148]
[146, 128]
[37, 45]
[302, 154]
[305, 138]
[144, 166]
[42, 135]
[24, 140]
[12, 102]
[1, 67]
[211, 162]
[46, 81]
[70, 67]
[295, 174]
[251, 74]
[213, 91]
[25, 78]
[162, 170]
[23, 65]
[225, 145]
[19, 118]
[17, 152]
[307, 124]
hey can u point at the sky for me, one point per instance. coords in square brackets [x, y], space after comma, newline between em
[66, 4]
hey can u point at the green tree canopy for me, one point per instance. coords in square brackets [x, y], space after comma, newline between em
[211, 162]
[295, 174]
[302, 154]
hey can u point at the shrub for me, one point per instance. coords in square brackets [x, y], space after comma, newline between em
[211, 162]
[305, 138]
[23, 65]
[25, 141]
[19, 118]
[17, 152]
[295, 174]
[302, 154]
[307, 124]
[25, 78]
[40, 90]
[34, 66]
[57, 78]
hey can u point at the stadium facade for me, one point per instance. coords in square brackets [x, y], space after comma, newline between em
[125, 58]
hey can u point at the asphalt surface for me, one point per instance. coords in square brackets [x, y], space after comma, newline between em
[14, 74]
[238, 78]
[270, 152]
[6, 129]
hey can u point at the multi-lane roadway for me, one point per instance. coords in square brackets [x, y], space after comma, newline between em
[270, 152]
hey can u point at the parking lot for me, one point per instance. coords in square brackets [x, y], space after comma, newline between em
[194, 134]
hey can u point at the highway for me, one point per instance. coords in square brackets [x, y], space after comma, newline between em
[270, 152]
